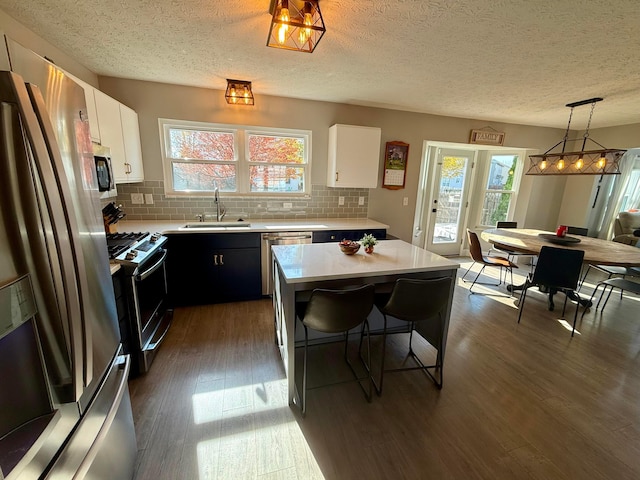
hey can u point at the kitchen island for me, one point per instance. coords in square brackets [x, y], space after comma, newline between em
[298, 269]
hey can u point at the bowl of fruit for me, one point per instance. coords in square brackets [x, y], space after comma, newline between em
[349, 247]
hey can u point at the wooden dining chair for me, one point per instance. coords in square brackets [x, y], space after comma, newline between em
[338, 311]
[475, 251]
[423, 303]
[558, 269]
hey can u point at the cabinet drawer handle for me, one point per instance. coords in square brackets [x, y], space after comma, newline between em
[221, 259]
[336, 176]
[215, 259]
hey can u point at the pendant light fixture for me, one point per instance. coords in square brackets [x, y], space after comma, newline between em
[585, 162]
[295, 25]
[239, 92]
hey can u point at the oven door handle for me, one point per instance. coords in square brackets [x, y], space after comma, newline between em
[140, 277]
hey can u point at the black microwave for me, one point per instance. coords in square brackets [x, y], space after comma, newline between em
[104, 173]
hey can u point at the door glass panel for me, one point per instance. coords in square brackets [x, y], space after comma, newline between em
[452, 182]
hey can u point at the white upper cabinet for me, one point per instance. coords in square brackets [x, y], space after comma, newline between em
[90, 99]
[354, 156]
[132, 147]
[120, 132]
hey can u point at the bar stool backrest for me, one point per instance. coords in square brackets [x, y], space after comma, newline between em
[415, 300]
[333, 311]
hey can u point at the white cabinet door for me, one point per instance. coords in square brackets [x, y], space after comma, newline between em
[110, 124]
[120, 132]
[92, 113]
[354, 156]
[132, 149]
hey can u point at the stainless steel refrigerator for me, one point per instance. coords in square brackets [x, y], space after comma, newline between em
[65, 410]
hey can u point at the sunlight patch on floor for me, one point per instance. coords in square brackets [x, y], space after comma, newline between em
[258, 433]
[567, 325]
[498, 293]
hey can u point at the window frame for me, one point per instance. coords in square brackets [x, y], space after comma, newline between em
[241, 160]
[517, 176]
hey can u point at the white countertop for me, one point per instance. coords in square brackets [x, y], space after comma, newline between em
[325, 261]
[114, 267]
[261, 225]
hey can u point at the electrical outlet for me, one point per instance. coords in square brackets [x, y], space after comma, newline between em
[148, 198]
[405, 201]
[137, 198]
[360, 200]
[340, 200]
[287, 205]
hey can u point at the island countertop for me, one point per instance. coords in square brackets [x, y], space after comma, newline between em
[325, 261]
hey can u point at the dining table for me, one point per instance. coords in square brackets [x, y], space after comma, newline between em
[597, 251]
[299, 269]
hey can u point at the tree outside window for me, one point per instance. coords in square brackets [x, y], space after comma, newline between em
[202, 157]
[499, 189]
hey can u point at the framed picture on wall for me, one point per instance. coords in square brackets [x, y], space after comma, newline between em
[395, 165]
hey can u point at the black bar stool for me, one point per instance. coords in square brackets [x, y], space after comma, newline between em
[338, 311]
[417, 301]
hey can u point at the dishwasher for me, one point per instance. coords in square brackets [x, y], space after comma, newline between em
[280, 238]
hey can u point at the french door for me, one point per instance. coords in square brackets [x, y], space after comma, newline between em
[449, 200]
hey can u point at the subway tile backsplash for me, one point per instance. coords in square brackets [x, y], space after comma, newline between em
[323, 203]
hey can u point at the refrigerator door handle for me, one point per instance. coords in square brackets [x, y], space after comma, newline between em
[108, 421]
[60, 185]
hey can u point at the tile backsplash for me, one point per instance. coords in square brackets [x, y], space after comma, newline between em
[322, 203]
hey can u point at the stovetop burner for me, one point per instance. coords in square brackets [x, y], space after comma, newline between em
[120, 242]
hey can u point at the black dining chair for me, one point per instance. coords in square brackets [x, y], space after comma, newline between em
[558, 269]
[475, 250]
[338, 311]
[423, 304]
[583, 232]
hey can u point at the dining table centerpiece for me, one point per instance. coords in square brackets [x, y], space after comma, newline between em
[368, 242]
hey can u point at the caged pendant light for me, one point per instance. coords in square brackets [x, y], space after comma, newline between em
[585, 162]
[239, 92]
[295, 25]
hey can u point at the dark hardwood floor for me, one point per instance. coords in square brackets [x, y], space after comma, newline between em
[520, 401]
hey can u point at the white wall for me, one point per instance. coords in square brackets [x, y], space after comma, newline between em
[540, 201]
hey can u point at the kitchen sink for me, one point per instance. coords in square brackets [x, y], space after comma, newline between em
[217, 225]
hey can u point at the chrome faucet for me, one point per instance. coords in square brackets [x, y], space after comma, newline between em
[221, 211]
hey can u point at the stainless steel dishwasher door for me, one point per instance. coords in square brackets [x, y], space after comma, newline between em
[279, 238]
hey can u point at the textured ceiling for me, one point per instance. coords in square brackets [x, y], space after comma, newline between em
[517, 61]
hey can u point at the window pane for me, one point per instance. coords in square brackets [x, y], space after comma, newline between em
[452, 180]
[203, 177]
[271, 149]
[200, 145]
[501, 172]
[495, 208]
[276, 178]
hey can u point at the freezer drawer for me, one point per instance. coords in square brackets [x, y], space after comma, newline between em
[104, 444]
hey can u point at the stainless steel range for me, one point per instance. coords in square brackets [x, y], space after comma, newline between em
[142, 260]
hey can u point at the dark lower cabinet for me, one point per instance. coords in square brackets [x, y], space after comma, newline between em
[207, 268]
[337, 235]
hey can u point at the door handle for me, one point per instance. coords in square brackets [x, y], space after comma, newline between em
[221, 259]
[215, 259]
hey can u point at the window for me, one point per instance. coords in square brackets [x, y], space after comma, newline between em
[500, 189]
[200, 157]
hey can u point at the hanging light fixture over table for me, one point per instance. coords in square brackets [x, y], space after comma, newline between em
[585, 162]
[295, 25]
[239, 92]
